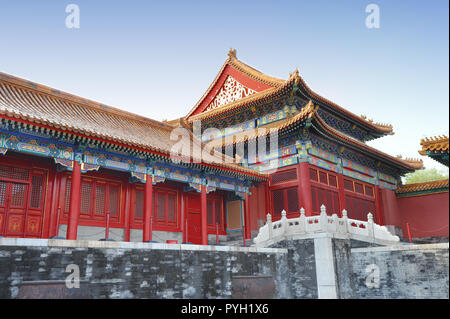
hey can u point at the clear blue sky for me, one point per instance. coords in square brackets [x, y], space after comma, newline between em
[156, 58]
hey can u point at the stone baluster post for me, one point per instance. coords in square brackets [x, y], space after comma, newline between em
[323, 219]
[269, 225]
[302, 222]
[284, 222]
[370, 226]
[345, 222]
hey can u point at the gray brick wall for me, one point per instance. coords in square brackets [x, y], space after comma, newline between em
[140, 273]
[418, 271]
[137, 270]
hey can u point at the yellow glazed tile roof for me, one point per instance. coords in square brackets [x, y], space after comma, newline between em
[424, 186]
[434, 144]
[34, 103]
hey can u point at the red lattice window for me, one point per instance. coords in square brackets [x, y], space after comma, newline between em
[18, 195]
[209, 212]
[327, 197]
[161, 206]
[114, 200]
[323, 178]
[67, 195]
[17, 173]
[165, 206]
[218, 212]
[292, 200]
[284, 176]
[86, 197]
[368, 190]
[171, 207]
[37, 186]
[214, 211]
[2, 193]
[97, 197]
[359, 188]
[285, 199]
[358, 208]
[278, 202]
[100, 195]
[348, 185]
[332, 180]
[139, 205]
[313, 175]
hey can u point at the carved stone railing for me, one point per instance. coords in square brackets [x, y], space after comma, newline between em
[345, 227]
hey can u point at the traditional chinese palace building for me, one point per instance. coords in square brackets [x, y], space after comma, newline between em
[71, 167]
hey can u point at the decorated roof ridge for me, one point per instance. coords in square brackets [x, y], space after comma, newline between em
[276, 83]
[252, 72]
[410, 164]
[423, 186]
[221, 157]
[434, 144]
[257, 97]
[310, 111]
[247, 70]
[384, 128]
[30, 103]
[29, 85]
[174, 122]
[381, 125]
[306, 112]
[413, 161]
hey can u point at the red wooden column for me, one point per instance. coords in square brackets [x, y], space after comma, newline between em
[341, 194]
[247, 225]
[378, 207]
[75, 201]
[148, 204]
[127, 206]
[305, 188]
[299, 189]
[268, 207]
[203, 216]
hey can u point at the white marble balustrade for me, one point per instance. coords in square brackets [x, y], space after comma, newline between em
[344, 227]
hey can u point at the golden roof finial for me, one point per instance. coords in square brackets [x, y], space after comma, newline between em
[295, 75]
[232, 53]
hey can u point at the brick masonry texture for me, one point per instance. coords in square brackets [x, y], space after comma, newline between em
[135, 273]
[119, 270]
[409, 273]
[301, 268]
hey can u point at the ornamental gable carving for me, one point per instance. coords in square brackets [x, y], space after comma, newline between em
[231, 91]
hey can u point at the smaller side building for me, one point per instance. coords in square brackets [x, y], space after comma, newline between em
[423, 207]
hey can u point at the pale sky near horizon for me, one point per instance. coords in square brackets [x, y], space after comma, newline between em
[156, 58]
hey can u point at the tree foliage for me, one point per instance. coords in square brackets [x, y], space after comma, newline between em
[426, 175]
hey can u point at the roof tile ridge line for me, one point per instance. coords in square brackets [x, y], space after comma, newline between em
[145, 148]
[438, 181]
[254, 73]
[355, 141]
[213, 83]
[97, 106]
[223, 156]
[251, 72]
[311, 92]
[434, 139]
[307, 111]
[248, 99]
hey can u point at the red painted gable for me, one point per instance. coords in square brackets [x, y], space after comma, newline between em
[238, 76]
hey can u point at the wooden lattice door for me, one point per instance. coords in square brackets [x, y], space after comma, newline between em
[21, 202]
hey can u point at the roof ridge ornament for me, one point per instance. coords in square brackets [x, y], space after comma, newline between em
[232, 53]
[295, 76]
